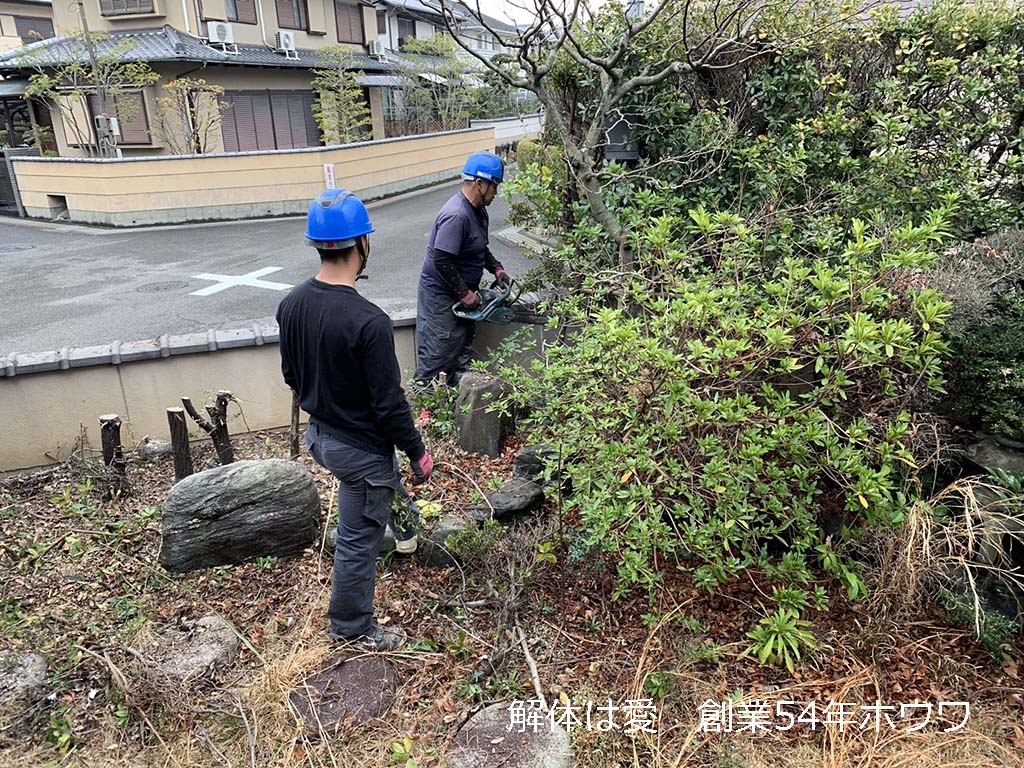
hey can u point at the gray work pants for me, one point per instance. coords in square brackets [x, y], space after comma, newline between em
[443, 341]
[368, 486]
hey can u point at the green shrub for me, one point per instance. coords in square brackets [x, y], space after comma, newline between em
[988, 369]
[709, 416]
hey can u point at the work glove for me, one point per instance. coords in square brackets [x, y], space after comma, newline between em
[422, 468]
[471, 300]
[502, 278]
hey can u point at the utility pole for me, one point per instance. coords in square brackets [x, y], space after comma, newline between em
[103, 138]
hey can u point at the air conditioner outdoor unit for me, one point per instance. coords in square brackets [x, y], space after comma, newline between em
[375, 48]
[284, 42]
[221, 35]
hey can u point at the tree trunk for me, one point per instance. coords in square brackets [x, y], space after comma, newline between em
[179, 443]
[583, 169]
[217, 425]
[113, 454]
[294, 431]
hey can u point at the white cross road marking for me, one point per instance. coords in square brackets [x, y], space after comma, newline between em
[250, 279]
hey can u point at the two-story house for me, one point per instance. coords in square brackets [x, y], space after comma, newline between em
[21, 22]
[260, 51]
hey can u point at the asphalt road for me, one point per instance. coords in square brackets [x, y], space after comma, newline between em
[70, 286]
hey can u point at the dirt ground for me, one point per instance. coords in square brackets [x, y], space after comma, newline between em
[82, 586]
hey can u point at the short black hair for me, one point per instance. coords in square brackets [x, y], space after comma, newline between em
[336, 256]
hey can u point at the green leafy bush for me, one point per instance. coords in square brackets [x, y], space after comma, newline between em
[711, 414]
[988, 369]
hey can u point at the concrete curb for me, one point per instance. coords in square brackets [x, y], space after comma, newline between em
[117, 352]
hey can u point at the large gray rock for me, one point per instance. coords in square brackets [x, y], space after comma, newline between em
[21, 676]
[480, 430]
[239, 512]
[194, 656]
[361, 688]
[486, 741]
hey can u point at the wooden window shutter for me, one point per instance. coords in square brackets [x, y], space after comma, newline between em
[350, 22]
[291, 14]
[130, 110]
[246, 11]
[228, 128]
[32, 30]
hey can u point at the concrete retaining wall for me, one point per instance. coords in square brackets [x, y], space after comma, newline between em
[46, 399]
[168, 189]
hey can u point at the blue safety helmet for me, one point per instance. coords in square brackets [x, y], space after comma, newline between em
[484, 165]
[336, 220]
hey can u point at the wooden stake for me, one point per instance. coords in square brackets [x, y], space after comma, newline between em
[113, 453]
[294, 433]
[179, 443]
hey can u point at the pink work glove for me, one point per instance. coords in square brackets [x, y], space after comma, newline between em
[422, 468]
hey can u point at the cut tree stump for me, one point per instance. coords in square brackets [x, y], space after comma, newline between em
[217, 425]
[293, 434]
[113, 454]
[179, 443]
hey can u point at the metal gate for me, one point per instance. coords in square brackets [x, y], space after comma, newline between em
[10, 199]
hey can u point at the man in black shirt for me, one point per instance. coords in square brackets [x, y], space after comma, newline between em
[338, 354]
[457, 254]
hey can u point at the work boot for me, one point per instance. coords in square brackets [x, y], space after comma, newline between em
[383, 639]
[379, 639]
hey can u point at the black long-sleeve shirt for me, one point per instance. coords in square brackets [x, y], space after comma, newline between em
[338, 353]
[444, 262]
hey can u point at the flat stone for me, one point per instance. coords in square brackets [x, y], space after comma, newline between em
[21, 675]
[486, 741]
[361, 688]
[195, 656]
[990, 454]
[432, 552]
[531, 462]
[239, 512]
[515, 497]
[150, 448]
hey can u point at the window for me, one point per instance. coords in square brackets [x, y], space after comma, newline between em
[350, 22]
[242, 11]
[291, 14]
[406, 29]
[260, 120]
[382, 22]
[130, 109]
[125, 7]
[32, 30]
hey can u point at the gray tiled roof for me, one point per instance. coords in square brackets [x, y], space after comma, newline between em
[166, 44]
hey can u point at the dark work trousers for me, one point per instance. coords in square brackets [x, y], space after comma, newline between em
[369, 487]
[443, 341]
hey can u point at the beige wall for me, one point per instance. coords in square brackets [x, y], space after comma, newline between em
[323, 30]
[41, 412]
[241, 185]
